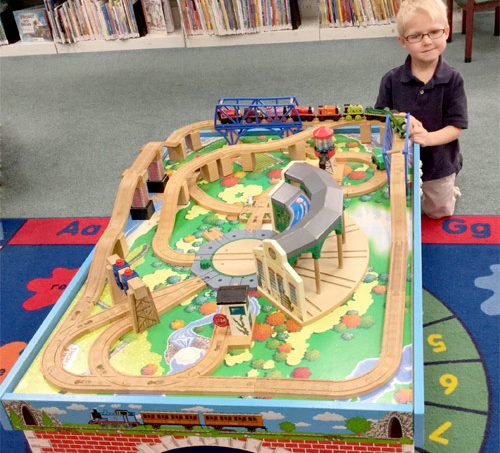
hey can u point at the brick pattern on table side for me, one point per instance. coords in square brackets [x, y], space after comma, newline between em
[70, 442]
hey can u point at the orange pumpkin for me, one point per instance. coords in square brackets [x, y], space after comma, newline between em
[351, 320]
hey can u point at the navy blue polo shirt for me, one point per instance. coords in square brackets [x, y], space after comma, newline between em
[438, 103]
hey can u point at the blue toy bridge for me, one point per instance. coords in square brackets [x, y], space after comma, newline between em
[235, 117]
[387, 146]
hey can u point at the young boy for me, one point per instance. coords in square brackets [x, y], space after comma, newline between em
[433, 93]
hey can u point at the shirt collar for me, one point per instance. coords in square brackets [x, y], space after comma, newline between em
[442, 74]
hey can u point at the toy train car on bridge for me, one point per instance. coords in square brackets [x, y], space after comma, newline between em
[227, 115]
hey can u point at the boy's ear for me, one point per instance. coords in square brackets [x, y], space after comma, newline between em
[402, 42]
[447, 32]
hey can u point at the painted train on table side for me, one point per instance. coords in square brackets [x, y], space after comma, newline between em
[188, 420]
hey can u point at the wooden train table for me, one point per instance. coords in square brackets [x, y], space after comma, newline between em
[138, 355]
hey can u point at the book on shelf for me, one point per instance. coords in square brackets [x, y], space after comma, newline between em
[72, 21]
[348, 13]
[140, 20]
[10, 34]
[229, 17]
[158, 16]
[3, 37]
[295, 14]
[167, 13]
[33, 25]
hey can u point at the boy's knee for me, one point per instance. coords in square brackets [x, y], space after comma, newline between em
[438, 199]
[439, 214]
[438, 208]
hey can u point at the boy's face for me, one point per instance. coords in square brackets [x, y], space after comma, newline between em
[417, 39]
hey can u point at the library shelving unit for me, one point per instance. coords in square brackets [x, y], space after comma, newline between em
[27, 48]
[150, 41]
[309, 30]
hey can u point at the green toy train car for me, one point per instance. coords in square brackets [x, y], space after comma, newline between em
[372, 113]
[353, 111]
[398, 124]
[378, 158]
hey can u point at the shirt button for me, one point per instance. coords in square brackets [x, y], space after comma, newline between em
[421, 91]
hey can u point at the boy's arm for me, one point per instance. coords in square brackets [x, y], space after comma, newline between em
[440, 137]
[384, 98]
[455, 104]
[455, 116]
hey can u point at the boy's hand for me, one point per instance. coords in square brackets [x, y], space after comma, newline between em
[414, 123]
[421, 136]
[418, 133]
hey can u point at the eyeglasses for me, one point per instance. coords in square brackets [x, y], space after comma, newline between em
[434, 34]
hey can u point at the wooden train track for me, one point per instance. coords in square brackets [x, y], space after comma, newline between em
[105, 379]
[376, 182]
[204, 200]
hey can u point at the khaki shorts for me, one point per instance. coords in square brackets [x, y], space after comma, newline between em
[439, 197]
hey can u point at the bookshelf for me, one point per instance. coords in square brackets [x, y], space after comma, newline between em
[309, 30]
[19, 48]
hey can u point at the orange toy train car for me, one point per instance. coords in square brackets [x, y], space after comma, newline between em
[157, 419]
[329, 112]
[250, 421]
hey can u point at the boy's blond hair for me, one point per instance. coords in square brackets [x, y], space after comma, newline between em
[435, 9]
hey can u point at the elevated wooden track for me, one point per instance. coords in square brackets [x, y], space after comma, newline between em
[177, 182]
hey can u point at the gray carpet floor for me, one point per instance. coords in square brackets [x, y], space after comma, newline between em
[72, 123]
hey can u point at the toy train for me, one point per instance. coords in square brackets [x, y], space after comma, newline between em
[187, 420]
[120, 417]
[349, 112]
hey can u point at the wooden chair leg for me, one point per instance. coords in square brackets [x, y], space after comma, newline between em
[469, 28]
[497, 21]
[464, 19]
[450, 20]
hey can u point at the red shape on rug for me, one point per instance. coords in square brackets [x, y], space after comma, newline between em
[9, 353]
[461, 230]
[60, 231]
[48, 290]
